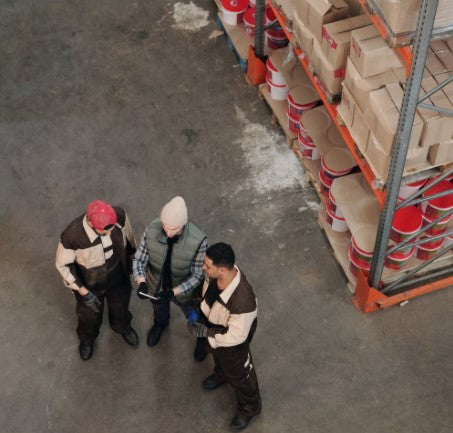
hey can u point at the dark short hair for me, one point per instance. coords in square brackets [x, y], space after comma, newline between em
[221, 254]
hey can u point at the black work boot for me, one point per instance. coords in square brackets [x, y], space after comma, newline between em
[154, 334]
[212, 382]
[201, 349]
[85, 350]
[240, 422]
[130, 337]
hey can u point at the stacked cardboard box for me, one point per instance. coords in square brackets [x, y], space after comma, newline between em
[371, 104]
[401, 15]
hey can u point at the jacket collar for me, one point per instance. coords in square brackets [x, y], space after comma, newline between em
[225, 295]
[92, 235]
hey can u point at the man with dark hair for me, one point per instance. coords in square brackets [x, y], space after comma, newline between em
[94, 257]
[230, 309]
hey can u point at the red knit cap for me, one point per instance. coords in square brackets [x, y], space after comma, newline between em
[100, 214]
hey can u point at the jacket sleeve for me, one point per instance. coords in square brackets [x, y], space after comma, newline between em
[130, 240]
[237, 331]
[65, 264]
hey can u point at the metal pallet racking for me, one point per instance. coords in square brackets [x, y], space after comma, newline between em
[370, 294]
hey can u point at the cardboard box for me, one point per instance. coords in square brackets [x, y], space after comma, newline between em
[437, 127]
[287, 7]
[370, 53]
[331, 77]
[401, 15]
[302, 35]
[346, 107]
[361, 87]
[300, 9]
[379, 159]
[321, 12]
[321, 129]
[382, 114]
[442, 153]
[336, 39]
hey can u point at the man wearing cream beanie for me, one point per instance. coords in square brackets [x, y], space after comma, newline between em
[168, 265]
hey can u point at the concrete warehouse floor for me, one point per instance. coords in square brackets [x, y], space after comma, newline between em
[111, 100]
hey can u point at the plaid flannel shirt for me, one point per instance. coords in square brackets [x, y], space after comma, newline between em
[196, 266]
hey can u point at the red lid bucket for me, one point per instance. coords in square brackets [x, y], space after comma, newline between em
[297, 109]
[326, 183]
[276, 91]
[275, 41]
[406, 222]
[360, 256]
[329, 172]
[398, 259]
[337, 223]
[308, 148]
[274, 74]
[410, 188]
[233, 11]
[333, 205]
[428, 249]
[249, 21]
[437, 229]
[436, 207]
[355, 265]
[293, 121]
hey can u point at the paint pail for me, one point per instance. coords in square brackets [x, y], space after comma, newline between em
[436, 207]
[249, 21]
[338, 224]
[406, 222]
[297, 109]
[437, 229]
[307, 148]
[325, 185]
[337, 162]
[276, 91]
[233, 11]
[274, 74]
[410, 188]
[277, 29]
[355, 265]
[333, 205]
[428, 249]
[275, 42]
[293, 122]
[360, 256]
[398, 259]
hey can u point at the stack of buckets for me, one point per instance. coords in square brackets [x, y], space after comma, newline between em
[237, 11]
[334, 217]
[329, 172]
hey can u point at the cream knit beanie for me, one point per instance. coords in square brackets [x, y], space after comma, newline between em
[174, 213]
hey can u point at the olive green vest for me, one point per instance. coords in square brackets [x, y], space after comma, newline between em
[183, 252]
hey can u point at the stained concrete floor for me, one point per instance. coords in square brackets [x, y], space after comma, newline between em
[107, 100]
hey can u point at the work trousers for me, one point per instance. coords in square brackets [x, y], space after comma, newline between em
[162, 310]
[116, 291]
[234, 365]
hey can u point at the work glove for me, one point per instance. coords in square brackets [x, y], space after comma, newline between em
[92, 302]
[165, 296]
[192, 316]
[144, 288]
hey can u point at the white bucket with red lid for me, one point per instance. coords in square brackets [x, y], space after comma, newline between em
[293, 122]
[333, 205]
[406, 222]
[326, 183]
[276, 91]
[233, 11]
[410, 188]
[337, 162]
[360, 256]
[337, 223]
[428, 249]
[275, 75]
[297, 109]
[437, 229]
[398, 259]
[355, 265]
[308, 148]
[249, 19]
[436, 207]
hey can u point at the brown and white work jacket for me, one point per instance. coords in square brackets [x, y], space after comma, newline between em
[233, 312]
[82, 255]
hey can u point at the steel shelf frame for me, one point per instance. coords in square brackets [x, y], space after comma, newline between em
[370, 295]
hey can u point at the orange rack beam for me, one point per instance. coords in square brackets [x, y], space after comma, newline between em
[332, 109]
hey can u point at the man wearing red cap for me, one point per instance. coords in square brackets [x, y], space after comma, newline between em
[94, 258]
[169, 265]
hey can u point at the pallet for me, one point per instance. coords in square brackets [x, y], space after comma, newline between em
[237, 40]
[278, 109]
[340, 244]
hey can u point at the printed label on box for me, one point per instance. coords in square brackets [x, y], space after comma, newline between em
[339, 73]
[328, 37]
